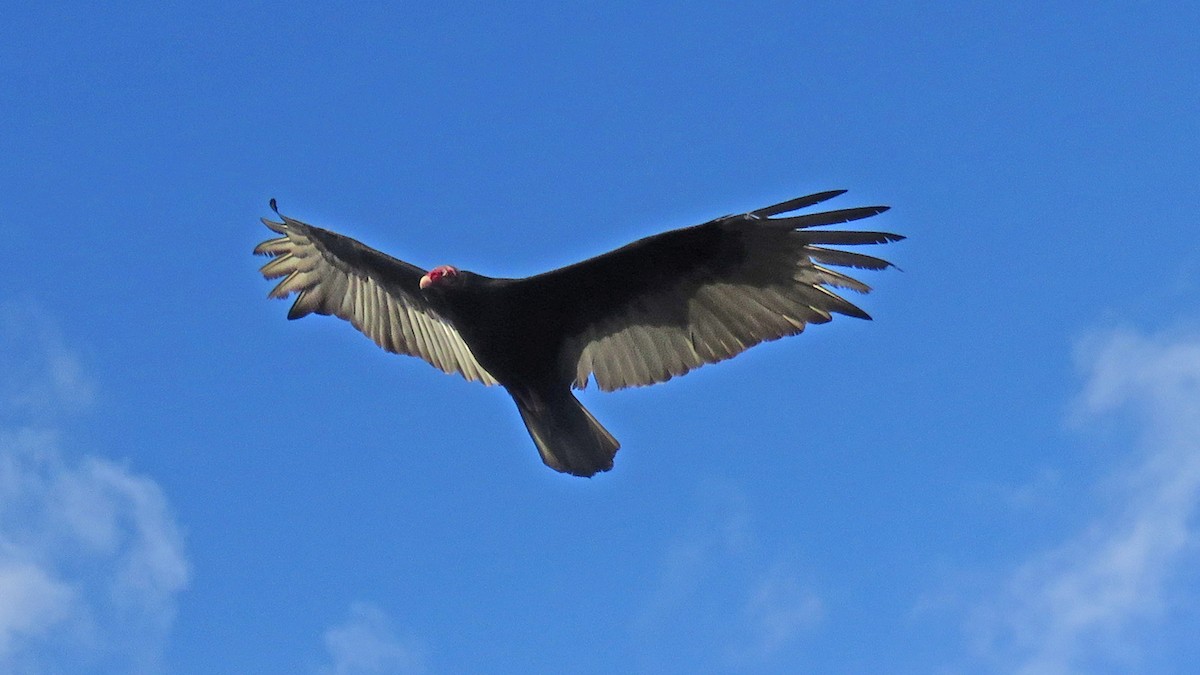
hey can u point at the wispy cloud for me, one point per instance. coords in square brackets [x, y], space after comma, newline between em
[718, 591]
[32, 604]
[368, 643]
[777, 611]
[42, 378]
[91, 559]
[1084, 604]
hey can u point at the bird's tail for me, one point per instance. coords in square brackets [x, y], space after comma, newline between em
[567, 436]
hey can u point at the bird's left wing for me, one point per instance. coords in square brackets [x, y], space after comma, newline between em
[375, 292]
[670, 303]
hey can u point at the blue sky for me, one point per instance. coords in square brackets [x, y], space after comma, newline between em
[1000, 473]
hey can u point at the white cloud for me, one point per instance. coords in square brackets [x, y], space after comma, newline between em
[1083, 605]
[91, 559]
[720, 531]
[367, 643]
[41, 377]
[717, 590]
[33, 603]
[778, 610]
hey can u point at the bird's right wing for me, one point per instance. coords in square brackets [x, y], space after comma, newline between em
[375, 292]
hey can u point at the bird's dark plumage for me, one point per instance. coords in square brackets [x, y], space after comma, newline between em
[639, 315]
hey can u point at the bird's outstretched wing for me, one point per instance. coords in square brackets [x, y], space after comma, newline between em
[377, 293]
[670, 303]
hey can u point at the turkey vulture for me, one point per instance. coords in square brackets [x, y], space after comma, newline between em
[639, 315]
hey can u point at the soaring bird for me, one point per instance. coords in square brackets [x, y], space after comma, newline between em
[642, 314]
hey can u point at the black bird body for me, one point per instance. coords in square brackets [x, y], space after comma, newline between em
[505, 326]
[641, 314]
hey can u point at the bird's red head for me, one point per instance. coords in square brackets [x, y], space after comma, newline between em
[439, 274]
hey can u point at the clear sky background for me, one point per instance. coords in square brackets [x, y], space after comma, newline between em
[1000, 473]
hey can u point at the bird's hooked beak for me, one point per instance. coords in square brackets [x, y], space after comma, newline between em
[425, 282]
